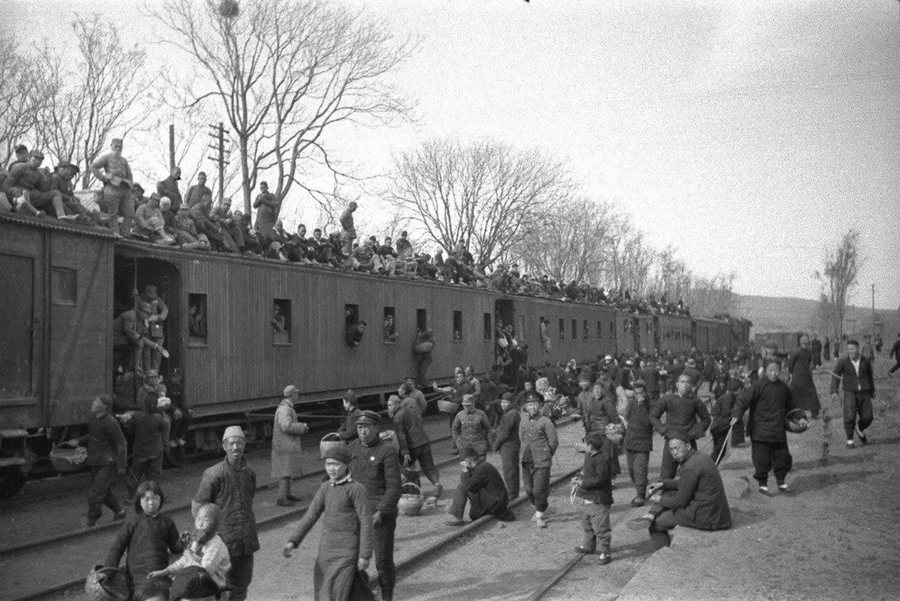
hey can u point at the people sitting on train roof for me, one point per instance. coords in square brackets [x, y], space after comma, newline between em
[219, 239]
[169, 187]
[31, 189]
[149, 222]
[186, 233]
[231, 231]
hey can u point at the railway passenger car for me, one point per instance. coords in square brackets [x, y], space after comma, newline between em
[240, 328]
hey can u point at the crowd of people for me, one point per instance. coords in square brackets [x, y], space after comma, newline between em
[193, 221]
[621, 402]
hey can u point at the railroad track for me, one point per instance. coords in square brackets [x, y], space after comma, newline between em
[74, 543]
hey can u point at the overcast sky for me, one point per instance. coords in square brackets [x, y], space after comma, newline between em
[749, 135]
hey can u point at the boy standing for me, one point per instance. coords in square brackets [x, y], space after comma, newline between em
[594, 488]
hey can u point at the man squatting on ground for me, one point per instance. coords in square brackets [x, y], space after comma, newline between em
[696, 499]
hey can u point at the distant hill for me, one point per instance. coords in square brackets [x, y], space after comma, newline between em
[798, 314]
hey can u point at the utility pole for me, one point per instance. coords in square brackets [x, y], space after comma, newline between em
[218, 146]
[873, 310]
[171, 146]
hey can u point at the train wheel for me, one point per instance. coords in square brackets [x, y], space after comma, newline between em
[11, 481]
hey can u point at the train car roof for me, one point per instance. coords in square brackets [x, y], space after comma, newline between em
[49, 223]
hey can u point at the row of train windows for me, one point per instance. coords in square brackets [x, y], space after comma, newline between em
[585, 330]
[282, 325]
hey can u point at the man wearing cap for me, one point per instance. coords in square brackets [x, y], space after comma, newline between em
[650, 375]
[691, 371]
[158, 312]
[539, 442]
[106, 456]
[506, 442]
[27, 181]
[686, 414]
[348, 230]
[266, 206]
[482, 488]
[231, 484]
[150, 431]
[196, 192]
[348, 428]
[471, 428]
[169, 188]
[412, 396]
[696, 499]
[376, 465]
[286, 433]
[114, 171]
[186, 233]
[413, 440]
[638, 441]
[150, 222]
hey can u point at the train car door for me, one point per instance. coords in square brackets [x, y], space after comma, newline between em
[504, 310]
[134, 274]
[18, 326]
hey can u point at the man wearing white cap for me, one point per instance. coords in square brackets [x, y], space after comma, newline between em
[286, 435]
[231, 484]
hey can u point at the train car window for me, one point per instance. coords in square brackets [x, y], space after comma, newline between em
[421, 320]
[457, 326]
[599, 330]
[574, 329]
[562, 329]
[197, 319]
[281, 321]
[612, 330]
[521, 331]
[585, 328]
[488, 330]
[389, 330]
[65, 286]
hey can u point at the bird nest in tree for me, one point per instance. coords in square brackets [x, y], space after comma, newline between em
[229, 9]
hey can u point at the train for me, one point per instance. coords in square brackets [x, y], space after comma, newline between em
[62, 285]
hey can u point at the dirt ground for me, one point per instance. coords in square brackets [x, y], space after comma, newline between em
[832, 537]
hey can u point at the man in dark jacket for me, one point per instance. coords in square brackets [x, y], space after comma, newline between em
[769, 401]
[694, 500]
[482, 487]
[151, 433]
[854, 374]
[685, 414]
[376, 466]
[594, 488]
[506, 442]
[413, 440]
[348, 428]
[638, 441]
[106, 455]
[721, 416]
[231, 484]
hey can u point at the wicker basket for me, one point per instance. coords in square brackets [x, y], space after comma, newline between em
[66, 459]
[447, 406]
[108, 584]
[329, 441]
[410, 503]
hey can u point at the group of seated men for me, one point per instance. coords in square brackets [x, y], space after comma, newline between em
[30, 189]
[193, 223]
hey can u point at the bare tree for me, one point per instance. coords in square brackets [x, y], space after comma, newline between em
[19, 96]
[708, 297]
[91, 98]
[571, 244]
[285, 73]
[838, 278]
[486, 195]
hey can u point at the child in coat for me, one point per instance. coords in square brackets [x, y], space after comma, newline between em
[345, 546]
[202, 570]
[148, 537]
[638, 441]
[594, 488]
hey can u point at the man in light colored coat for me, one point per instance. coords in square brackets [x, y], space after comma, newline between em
[286, 435]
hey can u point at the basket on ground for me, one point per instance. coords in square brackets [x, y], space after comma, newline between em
[329, 441]
[66, 459]
[447, 406]
[108, 584]
[411, 499]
